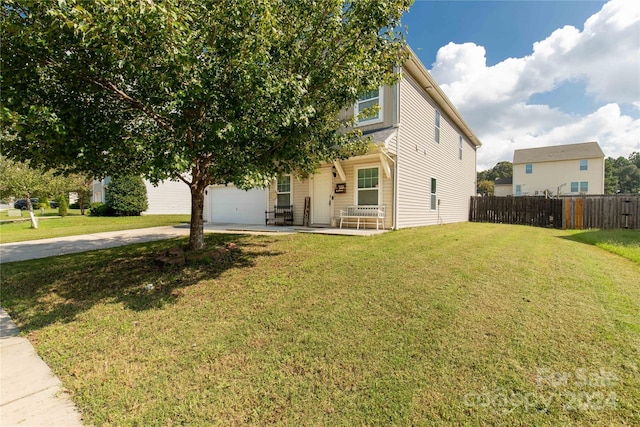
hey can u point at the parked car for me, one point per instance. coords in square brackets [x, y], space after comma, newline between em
[22, 203]
[54, 204]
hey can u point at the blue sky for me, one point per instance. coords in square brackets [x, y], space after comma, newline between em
[535, 73]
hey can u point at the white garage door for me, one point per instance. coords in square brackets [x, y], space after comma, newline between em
[230, 205]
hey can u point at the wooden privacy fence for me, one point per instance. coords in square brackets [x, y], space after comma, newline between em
[606, 212]
[572, 212]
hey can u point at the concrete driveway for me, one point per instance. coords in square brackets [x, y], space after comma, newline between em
[33, 249]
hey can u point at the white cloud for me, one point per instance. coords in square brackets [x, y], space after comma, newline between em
[605, 55]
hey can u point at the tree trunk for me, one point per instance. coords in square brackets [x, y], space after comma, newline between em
[34, 221]
[196, 232]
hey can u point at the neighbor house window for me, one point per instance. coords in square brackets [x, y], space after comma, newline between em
[368, 186]
[437, 127]
[460, 147]
[283, 188]
[519, 190]
[584, 186]
[584, 165]
[574, 187]
[368, 100]
[434, 201]
[528, 168]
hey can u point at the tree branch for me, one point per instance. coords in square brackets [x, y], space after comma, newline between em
[135, 103]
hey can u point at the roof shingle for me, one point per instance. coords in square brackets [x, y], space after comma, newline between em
[586, 150]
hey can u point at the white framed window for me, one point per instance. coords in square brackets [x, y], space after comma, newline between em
[574, 187]
[437, 127]
[584, 186]
[460, 140]
[368, 186]
[528, 168]
[283, 189]
[367, 100]
[584, 164]
[434, 197]
[519, 190]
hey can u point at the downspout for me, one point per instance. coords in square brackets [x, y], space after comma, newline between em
[396, 162]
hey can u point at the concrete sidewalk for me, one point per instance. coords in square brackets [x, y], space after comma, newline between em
[32, 249]
[29, 393]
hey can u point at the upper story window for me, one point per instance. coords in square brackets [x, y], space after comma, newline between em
[283, 188]
[368, 100]
[437, 127]
[528, 168]
[460, 147]
[584, 165]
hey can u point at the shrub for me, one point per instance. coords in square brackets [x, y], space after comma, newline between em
[75, 205]
[100, 209]
[43, 203]
[63, 207]
[127, 195]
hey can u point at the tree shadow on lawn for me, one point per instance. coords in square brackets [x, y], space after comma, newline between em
[45, 291]
[625, 243]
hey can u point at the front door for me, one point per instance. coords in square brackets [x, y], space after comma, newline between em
[321, 200]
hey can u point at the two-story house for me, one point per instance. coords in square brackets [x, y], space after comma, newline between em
[570, 169]
[421, 168]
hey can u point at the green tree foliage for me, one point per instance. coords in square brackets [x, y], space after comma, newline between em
[622, 175]
[22, 181]
[486, 187]
[63, 206]
[204, 91]
[127, 195]
[500, 170]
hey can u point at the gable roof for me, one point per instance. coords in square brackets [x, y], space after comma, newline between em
[422, 76]
[585, 150]
[504, 181]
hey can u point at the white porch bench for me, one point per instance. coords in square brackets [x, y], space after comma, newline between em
[353, 215]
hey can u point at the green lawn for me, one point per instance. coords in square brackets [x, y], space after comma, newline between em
[467, 324]
[74, 225]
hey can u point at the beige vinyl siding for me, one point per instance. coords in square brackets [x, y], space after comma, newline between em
[387, 111]
[299, 190]
[420, 158]
[302, 189]
[169, 197]
[341, 201]
[551, 175]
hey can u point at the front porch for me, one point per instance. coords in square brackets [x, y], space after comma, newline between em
[275, 229]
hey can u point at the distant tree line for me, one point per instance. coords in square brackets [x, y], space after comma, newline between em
[622, 175]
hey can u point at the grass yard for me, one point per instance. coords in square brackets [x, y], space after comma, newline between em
[466, 324]
[75, 225]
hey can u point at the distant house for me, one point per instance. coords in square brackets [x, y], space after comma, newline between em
[503, 187]
[169, 197]
[420, 169]
[560, 169]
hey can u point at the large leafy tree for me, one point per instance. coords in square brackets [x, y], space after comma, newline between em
[204, 91]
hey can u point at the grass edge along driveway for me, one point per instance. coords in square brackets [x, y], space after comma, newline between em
[469, 324]
[77, 225]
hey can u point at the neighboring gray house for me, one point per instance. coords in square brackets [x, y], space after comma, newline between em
[559, 169]
[420, 170]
